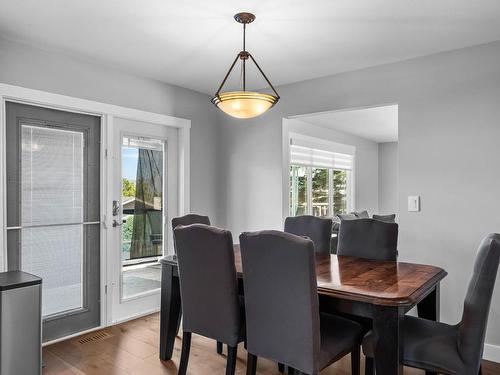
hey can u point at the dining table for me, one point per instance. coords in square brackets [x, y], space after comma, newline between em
[382, 291]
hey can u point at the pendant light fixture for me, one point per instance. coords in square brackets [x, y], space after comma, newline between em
[244, 104]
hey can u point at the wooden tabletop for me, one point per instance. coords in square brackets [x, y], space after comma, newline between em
[371, 281]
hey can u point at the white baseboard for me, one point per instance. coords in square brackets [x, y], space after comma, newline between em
[136, 316]
[491, 353]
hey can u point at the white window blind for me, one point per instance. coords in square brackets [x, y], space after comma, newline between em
[321, 154]
[52, 201]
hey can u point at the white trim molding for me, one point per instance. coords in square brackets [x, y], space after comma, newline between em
[72, 104]
[491, 353]
[107, 112]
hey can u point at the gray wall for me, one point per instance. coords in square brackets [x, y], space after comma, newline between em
[449, 132]
[365, 163]
[388, 177]
[36, 69]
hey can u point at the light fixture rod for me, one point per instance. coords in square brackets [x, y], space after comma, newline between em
[227, 75]
[244, 76]
[265, 77]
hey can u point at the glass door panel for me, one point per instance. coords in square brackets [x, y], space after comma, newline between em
[52, 215]
[56, 255]
[142, 214]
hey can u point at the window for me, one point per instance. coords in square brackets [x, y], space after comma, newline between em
[320, 177]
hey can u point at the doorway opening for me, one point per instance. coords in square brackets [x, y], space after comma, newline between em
[341, 161]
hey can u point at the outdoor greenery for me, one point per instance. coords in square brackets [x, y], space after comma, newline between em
[298, 190]
[340, 179]
[319, 191]
[128, 188]
[127, 228]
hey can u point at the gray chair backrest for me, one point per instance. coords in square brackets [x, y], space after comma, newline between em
[368, 238]
[318, 229]
[281, 298]
[472, 328]
[343, 217]
[188, 220]
[209, 290]
[387, 218]
[361, 214]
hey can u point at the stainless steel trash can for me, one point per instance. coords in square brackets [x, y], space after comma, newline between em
[20, 324]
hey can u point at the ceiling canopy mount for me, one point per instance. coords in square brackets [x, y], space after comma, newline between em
[244, 17]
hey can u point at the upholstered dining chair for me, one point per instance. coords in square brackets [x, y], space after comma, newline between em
[318, 229]
[452, 349]
[211, 305]
[368, 238]
[188, 220]
[282, 310]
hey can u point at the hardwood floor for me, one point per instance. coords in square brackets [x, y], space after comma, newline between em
[132, 348]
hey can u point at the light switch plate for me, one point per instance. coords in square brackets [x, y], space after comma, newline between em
[414, 203]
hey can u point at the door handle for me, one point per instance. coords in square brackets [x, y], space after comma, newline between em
[116, 223]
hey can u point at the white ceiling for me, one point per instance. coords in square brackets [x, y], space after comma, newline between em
[191, 43]
[379, 124]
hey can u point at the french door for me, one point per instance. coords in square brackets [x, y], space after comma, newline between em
[53, 211]
[145, 198]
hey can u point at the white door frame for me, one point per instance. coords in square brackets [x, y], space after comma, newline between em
[107, 112]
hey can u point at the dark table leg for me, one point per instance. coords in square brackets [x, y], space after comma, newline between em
[170, 315]
[388, 336]
[429, 308]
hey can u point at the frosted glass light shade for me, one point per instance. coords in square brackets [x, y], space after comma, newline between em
[244, 104]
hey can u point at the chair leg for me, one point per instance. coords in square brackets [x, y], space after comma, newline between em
[355, 360]
[369, 368]
[186, 346]
[281, 367]
[232, 352]
[251, 364]
[219, 347]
